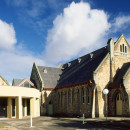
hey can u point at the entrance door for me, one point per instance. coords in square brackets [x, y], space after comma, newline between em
[3, 107]
[50, 109]
[118, 105]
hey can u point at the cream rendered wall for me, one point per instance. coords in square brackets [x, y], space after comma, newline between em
[18, 93]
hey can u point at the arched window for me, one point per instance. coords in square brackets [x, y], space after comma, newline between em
[58, 98]
[61, 98]
[72, 92]
[82, 95]
[120, 48]
[88, 95]
[70, 97]
[125, 49]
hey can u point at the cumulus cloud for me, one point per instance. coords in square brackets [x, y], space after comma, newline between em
[16, 61]
[7, 35]
[78, 27]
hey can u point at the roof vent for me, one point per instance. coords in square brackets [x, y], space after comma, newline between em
[69, 64]
[91, 55]
[79, 60]
[45, 70]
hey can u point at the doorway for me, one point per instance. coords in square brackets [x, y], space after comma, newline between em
[118, 104]
[3, 107]
[28, 107]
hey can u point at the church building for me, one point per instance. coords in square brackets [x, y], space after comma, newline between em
[77, 86]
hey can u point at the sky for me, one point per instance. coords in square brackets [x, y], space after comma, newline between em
[50, 32]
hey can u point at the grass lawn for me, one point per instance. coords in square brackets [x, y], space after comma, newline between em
[2, 126]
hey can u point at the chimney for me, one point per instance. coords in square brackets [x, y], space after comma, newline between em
[110, 46]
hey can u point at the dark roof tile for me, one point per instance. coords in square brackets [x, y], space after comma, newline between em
[83, 71]
[52, 76]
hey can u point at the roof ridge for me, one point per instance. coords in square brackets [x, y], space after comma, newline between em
[49, 67]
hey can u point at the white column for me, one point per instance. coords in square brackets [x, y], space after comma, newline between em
[33, 107]
[19, 107]
[25, 109]
[9, 107]
[93, 105]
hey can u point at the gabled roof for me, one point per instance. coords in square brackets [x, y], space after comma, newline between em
[4, 80]
[77, 71]
[81, 69]
[18, 82]
[50, 76]
[118, 40]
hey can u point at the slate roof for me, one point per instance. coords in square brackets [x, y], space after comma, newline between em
[118, 80]
[76, 72]
[50, 76]
[16, 82]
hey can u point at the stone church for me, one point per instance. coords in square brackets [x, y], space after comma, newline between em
[77, 86]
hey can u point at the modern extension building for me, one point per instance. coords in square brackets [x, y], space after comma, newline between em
[77, 86]
[19, 100]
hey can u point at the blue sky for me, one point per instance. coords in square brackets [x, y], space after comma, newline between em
[50, 32]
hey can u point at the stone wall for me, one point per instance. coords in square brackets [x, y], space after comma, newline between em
[103, 75]
[35, 78]
[72, 101]
[46, 99]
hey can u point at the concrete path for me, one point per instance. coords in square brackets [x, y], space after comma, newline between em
[53, 123]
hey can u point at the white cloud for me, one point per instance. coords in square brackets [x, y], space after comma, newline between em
[16, 64]
[15, 61]
[7, 35]
[78, 27]
[121, 22]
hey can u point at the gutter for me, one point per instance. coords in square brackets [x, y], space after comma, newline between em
[76, 84]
